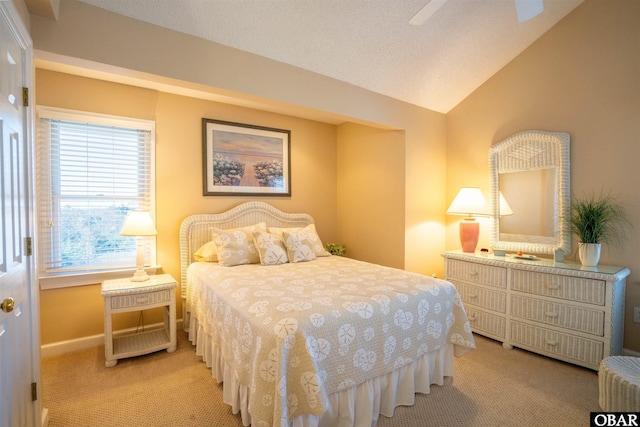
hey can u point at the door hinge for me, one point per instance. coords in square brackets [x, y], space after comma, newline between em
[25, 96]
[34, 391]
[28, 246]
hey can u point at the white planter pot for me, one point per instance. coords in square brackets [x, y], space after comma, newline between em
[589, 254]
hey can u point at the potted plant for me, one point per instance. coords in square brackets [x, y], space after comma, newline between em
[597, 220]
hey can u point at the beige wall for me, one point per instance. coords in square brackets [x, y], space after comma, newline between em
[123, 49]
[368, 163]
[581, 77]
[76, 312]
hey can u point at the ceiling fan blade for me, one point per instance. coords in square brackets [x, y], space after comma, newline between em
[426, 12]
[528, 9]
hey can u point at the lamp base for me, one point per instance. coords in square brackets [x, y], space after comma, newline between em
[469, 232]
[140, 276]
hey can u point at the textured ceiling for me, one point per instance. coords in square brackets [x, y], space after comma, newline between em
[369, 44]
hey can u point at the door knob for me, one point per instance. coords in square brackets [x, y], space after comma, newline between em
[7, 305]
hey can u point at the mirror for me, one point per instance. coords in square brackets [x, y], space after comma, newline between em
[530, 170]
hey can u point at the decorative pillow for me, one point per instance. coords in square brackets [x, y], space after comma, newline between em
[207, 252]
[270, 248]
[311, 236]
[299, 248]
[235, 246]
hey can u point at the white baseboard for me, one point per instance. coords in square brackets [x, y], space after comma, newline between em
[630, 353]
[67, 346]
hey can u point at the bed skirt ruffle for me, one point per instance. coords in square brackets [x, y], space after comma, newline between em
[358, 406]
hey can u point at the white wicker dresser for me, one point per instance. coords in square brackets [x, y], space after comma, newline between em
[561, 310]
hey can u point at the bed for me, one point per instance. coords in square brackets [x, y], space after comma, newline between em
[324, 341]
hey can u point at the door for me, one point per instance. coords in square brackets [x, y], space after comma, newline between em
[19, 326]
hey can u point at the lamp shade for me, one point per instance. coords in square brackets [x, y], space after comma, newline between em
[469, 202]
[138, 223]
[505, 209]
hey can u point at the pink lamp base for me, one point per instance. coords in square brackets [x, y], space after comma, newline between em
[469, 232]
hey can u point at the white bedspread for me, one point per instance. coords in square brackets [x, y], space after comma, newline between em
[296, 333]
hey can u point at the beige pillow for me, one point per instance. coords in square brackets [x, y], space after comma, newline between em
[311, 236]
[207, 252]
[235, 246]
[270, 248]
[299, 248]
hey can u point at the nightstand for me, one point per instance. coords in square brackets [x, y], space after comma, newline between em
[124, 295]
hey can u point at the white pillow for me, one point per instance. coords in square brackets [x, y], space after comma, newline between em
[310, 234]
[299, 248]
[235, 246]
[270, 248]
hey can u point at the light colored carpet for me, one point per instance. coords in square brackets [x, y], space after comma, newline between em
[492, 387]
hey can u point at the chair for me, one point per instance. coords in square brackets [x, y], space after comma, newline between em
[619, 384]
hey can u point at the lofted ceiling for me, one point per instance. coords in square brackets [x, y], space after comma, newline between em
[369, 43]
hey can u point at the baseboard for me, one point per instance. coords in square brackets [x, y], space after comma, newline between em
[67, 346]
[45, 417]
[630, 353]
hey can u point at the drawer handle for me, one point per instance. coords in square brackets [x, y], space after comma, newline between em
[142, 299]
[552, 343]
[552, 286]
[473, 272]
[472, 318]
[473, 295]
[551, 314]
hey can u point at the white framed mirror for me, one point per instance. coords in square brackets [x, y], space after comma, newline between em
[531, 171]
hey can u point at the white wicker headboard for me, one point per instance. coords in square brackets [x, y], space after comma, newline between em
[195, 230]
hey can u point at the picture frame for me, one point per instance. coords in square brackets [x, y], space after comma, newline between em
[245, 160]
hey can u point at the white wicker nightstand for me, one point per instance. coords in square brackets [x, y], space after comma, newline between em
[122, 296]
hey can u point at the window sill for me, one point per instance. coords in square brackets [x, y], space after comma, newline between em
[72, 280]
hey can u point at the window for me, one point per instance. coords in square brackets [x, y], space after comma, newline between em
[91, 170]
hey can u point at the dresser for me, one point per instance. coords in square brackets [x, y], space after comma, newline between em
[561, 310]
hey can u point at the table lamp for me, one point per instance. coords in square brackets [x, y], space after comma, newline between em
[471, 203]
[139, 224]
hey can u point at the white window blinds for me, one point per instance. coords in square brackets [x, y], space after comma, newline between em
[91, 171]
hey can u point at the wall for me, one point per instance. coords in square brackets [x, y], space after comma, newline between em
[90, 41]
[368, 161]
[581, 77]
[130, 49]
[76, 312]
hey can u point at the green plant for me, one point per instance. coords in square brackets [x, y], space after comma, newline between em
[335, 248]
[599, 219]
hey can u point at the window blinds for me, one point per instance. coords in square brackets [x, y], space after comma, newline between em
[91, 171]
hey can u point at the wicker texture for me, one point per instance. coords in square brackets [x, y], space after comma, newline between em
[490, 325]
[525, 151]
[619, 384]
[559, 310]
[195, 230]
[557, 286]
[478, 273]
[556, 344]
[562, 315]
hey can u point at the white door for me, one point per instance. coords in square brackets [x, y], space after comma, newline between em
[19, 328]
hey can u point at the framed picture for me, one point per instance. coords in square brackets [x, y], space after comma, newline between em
[245, 160]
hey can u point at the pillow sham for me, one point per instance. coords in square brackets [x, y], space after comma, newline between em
[299, 247]
[311, 236]
[271, 249]
[207, 252]
[235, 246]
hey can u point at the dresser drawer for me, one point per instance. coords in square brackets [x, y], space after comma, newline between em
[486, 323]
[589, 291]
[558, 314]
[482, 297]
[141, 299]
[477, 273]
[553, 343]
